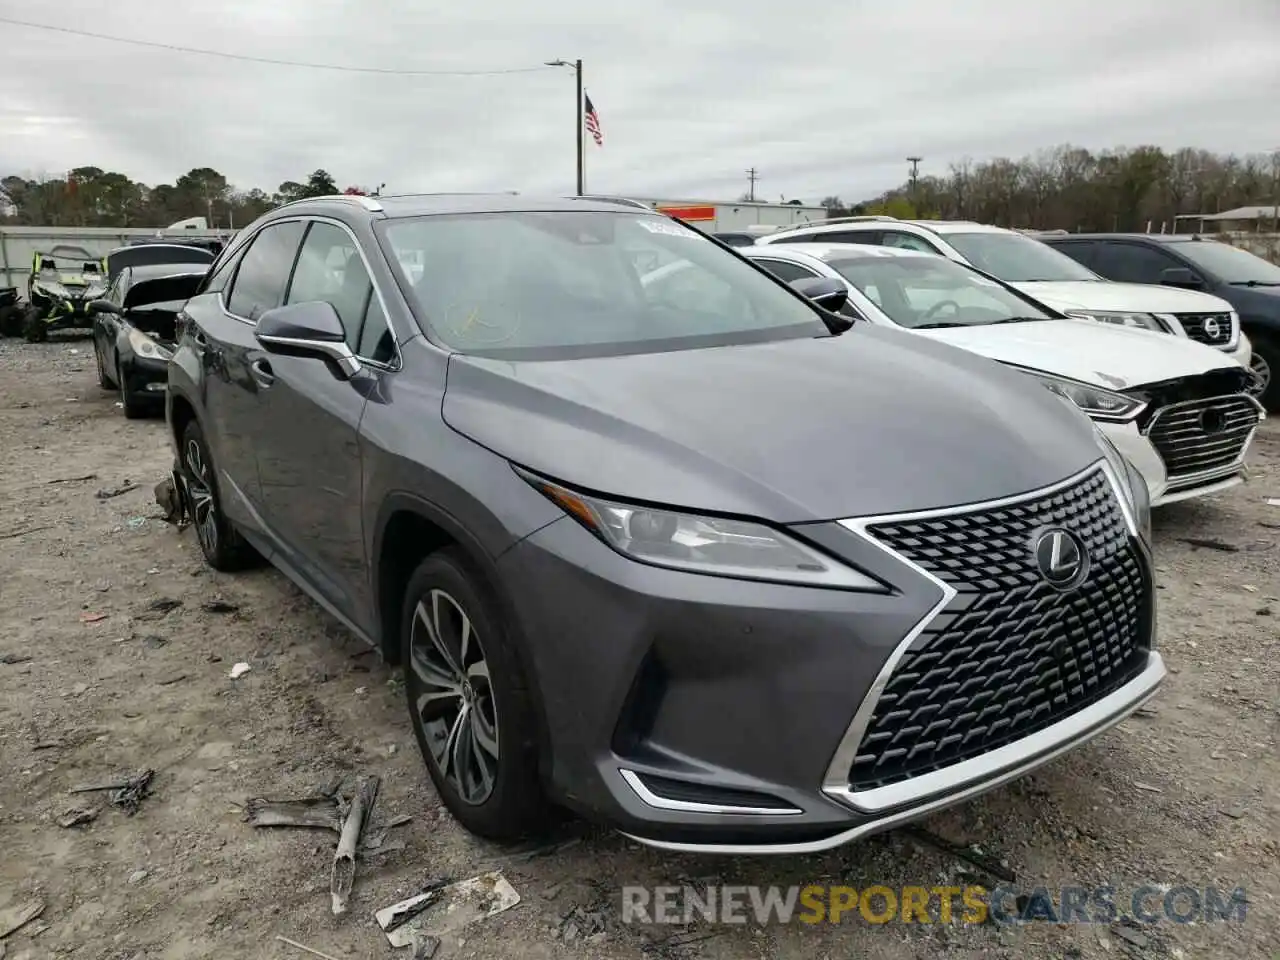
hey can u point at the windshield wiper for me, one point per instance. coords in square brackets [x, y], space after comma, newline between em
[938, 325]
[1255, 283]
[992, 323]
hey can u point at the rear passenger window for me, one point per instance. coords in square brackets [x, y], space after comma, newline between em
[786, 271]
[907, 241]
[264, 270]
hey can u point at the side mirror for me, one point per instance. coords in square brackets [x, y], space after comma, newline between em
[827, 292]
[307, 330]
[1180, 277]
[103, 306]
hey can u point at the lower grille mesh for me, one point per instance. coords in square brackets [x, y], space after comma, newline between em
[1202, 435]
[1010, 654]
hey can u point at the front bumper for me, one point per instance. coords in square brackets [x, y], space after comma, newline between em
[1189, 477]
[145, 376]
[708, 714]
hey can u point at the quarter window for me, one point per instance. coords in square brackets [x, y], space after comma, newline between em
[264, 270]
[376, 341]
[784, 270]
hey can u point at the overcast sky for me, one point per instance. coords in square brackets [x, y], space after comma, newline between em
[822, 98]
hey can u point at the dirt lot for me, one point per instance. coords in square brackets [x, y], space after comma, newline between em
[94, 684]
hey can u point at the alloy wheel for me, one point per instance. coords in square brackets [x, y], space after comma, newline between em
[1261, 371]
[455, 699]
[203, 506]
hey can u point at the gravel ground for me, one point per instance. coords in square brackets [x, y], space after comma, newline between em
[96, 680]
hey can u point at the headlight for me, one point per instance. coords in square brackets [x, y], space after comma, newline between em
[1141, 321]
[1097, 403]
[144, 346]
[1133, 485]
[707, 545]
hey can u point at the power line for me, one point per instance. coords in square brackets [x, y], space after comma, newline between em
[174, 48]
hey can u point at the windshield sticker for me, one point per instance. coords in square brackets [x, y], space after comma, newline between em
[666, 227]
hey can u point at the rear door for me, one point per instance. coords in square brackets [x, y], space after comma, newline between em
[221, 331]
[310, 464]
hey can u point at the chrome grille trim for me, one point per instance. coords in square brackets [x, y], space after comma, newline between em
[1191, 453]
[1228, 328]
[962, 775]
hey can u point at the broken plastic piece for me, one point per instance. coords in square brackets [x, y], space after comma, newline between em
[438, 912]
[307, 812]
[344, 860]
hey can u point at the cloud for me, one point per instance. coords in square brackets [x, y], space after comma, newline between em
[821, 99]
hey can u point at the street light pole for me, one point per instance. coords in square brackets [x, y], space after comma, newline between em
[576, 66]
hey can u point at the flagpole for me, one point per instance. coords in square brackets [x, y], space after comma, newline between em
[582, 122]
[581, 113]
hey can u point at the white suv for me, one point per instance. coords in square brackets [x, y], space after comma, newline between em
[1044, 273]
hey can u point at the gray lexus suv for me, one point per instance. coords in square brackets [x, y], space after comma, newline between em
[682, 551]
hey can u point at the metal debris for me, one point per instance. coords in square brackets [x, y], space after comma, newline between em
[303, 947]
[170, 499]
[76, 817]
[218, 605]
[13, 659]
[93, 617]
[87, 476]
[989, 864]
[110, 492]
[444, 910]
[1139, 785]
[15, 918]
[159, 609]
[321, 812]
[127, 794]
[344, 859]
[1210, 544]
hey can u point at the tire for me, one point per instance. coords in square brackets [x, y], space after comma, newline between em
[12, 320]
[104, 381]
[1266, 361]
[488, 699]
[34, 327]
[134, 407]
[223, 547]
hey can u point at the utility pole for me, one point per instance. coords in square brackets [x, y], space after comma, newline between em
[576, 66]
[915, 169]
[752, 177]
[1275, 190]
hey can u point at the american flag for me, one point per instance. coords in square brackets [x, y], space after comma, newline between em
[592, 121]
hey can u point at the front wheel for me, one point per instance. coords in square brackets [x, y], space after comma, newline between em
[35, 328]
[220, 542]
[134, 407]
[469, 702]
[1263, 364]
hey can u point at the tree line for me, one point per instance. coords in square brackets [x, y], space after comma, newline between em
[1071, 188]
[93, 197]
[1065, 187]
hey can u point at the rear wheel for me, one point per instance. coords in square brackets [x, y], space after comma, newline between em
[469, 702]
[11, 320]
[220, 542]
[1263, 366]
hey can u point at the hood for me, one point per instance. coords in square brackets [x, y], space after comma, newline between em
[1067, 295]
[874, 421]
[1101, 354]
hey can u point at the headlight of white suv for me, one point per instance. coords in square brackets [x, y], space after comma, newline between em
[1123, 318]
[1099, 404]
[699, 544]
[144, 346]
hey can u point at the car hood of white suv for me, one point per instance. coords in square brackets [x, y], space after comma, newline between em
[1067, 295]
[1102, 355]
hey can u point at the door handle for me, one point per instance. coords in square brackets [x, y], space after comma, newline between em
[262, 373]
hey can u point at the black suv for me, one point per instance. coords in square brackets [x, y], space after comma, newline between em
[655, 536]
[1250, 284]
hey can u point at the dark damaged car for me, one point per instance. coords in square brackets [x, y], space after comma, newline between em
[700, 561]
[134, 328]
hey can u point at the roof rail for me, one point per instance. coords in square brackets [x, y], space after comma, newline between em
[860, 219]
[369, 203]
[621, 201]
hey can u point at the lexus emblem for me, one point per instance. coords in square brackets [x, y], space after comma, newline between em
[1212, 328]
[1061, 558]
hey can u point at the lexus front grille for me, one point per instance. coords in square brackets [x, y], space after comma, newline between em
[1211, 328]
[1010, 654]
[1201, 437]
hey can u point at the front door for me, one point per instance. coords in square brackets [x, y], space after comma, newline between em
[310, 462]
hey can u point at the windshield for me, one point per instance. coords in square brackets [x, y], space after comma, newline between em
[553, 285]
[1015, 258]
[923, 292]
[1230, 264]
